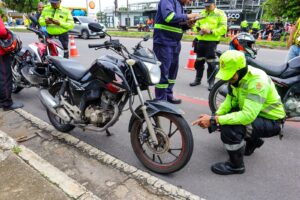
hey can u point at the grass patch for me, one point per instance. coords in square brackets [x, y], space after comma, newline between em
[16, 150]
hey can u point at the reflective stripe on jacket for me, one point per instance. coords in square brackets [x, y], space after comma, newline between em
[63, 15]
[167, 30]
[216, 21]
[255, 96]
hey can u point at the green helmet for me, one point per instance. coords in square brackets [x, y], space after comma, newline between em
[230, 62]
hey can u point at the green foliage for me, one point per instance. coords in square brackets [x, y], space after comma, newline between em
[282, 9]
[25, 6]
[16, 150]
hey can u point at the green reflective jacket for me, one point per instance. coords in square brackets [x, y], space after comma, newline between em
[216, 21]
[63, 15]
[256, 96]
[256, 25]
[297, 34]
[244, 24]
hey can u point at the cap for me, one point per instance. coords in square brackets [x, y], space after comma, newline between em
[54, 1]
[207, 3]
[230, 62]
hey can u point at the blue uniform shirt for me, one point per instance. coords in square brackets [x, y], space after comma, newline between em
[167, 30]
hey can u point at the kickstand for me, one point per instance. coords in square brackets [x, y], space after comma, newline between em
[108, 134]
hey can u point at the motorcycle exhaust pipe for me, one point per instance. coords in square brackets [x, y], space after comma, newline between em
[49, 102]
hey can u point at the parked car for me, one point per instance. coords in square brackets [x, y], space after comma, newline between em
[82, 30]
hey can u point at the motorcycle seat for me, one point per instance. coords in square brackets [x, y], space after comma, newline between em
[69, 67]
[272, 70]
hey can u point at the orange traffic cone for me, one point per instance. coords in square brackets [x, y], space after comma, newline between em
[269, 37]
[73, 49]
[259, 36]
[191, 61]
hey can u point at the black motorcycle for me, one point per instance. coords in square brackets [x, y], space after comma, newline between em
[286, 78]
[93, 98]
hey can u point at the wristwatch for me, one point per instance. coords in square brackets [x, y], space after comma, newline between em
[213, 121]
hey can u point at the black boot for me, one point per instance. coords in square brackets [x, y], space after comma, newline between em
[197, 80]
[235, 165]
[15, 105]
[251, 145]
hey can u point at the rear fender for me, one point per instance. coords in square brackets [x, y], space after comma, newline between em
[154, 107]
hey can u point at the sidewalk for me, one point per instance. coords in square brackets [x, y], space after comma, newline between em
[81, 171]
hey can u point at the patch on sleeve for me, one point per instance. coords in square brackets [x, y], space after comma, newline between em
[259, 86]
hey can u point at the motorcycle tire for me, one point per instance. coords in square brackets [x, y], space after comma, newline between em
[153, 160]
[55, 120]
[219, 88]
[16, 89]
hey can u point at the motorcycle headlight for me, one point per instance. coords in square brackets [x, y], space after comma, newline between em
[154, 71]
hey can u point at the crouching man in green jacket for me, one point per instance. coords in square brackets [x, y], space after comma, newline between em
[252, 110]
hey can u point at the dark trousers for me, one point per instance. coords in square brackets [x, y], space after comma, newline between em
[260, 128]
[169, 58]
[5, 81]
[64, 39]
[205, 50]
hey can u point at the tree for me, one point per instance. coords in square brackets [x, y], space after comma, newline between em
[282, 8]
[25, 6]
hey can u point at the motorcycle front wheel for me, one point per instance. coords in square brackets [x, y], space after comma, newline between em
[217, 95]
[175, 143]
[15, 88]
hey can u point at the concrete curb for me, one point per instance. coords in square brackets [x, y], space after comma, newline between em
[157, 185]
[68, 185]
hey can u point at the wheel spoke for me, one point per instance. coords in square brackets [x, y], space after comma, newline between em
[171, 134]
[175, 149]
[170, 129]
[159, 159]
[170, 152]
[153, 157]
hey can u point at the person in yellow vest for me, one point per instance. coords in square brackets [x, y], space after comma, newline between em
[255, 28]
[58, 21]
[252, 110]
[294, 42]
[244, 26]
[209, 30]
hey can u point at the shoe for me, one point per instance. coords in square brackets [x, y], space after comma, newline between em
[174, 101]
[195, 83]
[252, 145]
[15, 105]
[235, 165]
[226, 168]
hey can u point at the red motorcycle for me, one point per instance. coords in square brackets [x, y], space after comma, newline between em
[30, 67]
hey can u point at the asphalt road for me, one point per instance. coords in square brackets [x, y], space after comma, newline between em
[272, 172]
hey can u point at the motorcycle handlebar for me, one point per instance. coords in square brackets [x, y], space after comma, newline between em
[96, 45]
[33, 30]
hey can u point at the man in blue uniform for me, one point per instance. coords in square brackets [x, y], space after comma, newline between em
[168, 31]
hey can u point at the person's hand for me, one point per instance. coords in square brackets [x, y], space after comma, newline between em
[49, 21]
[205, 31]
[56, 22]
[193, 15]
[203, 121]
[191, 23]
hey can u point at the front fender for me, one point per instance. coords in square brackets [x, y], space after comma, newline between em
[154, 107]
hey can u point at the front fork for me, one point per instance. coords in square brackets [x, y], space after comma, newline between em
[150, 127]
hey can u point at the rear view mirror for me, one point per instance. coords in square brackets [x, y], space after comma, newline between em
[33, 20]
[95, 27]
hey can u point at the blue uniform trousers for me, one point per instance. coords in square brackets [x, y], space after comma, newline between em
[169, 58]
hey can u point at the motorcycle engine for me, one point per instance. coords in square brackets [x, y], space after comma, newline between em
[292, 106]
[97, 115]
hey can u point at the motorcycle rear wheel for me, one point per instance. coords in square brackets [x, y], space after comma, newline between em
[57, 122]
[175, 140]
